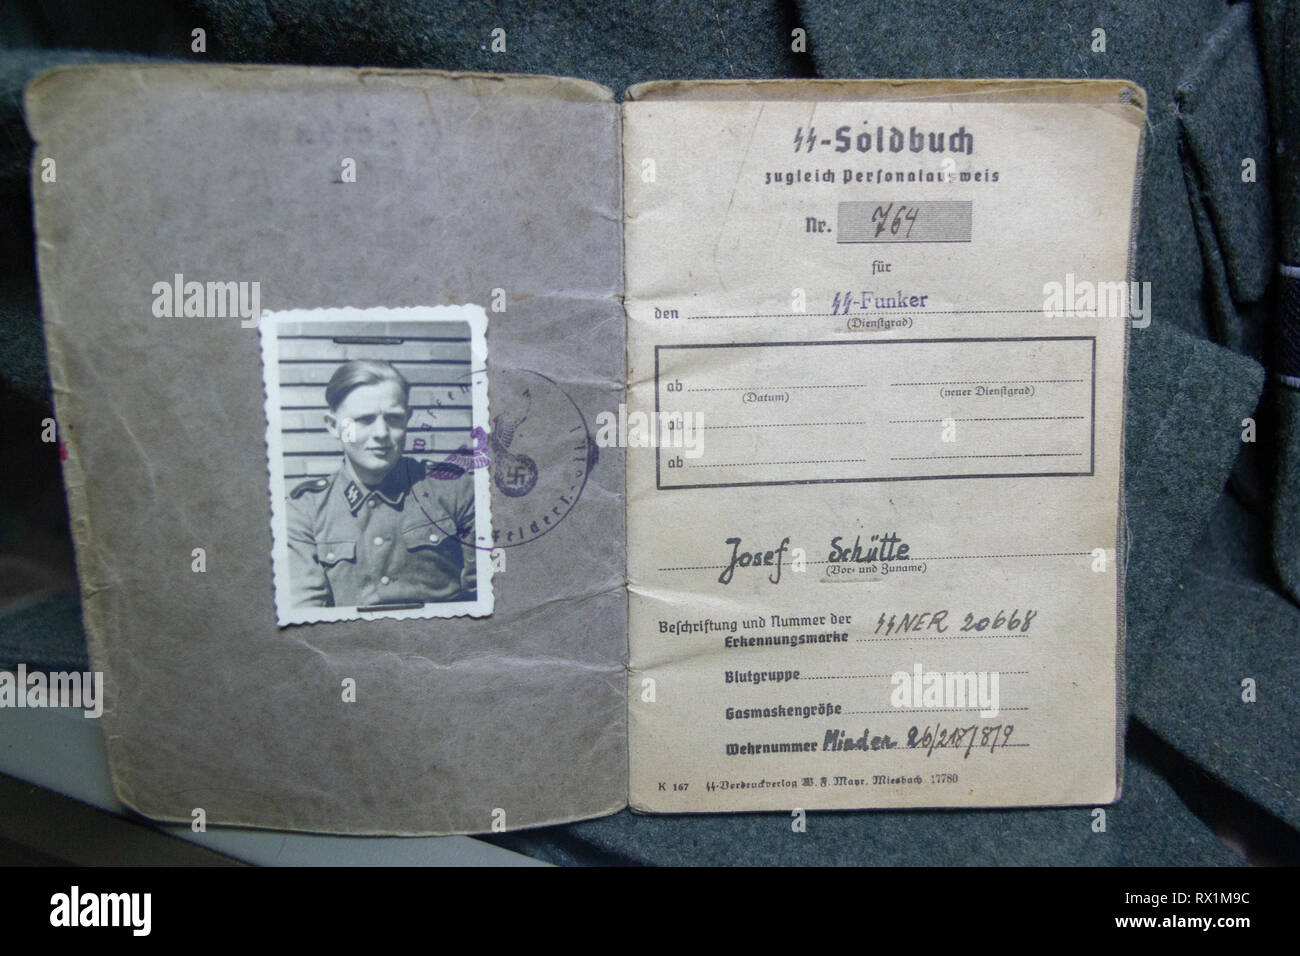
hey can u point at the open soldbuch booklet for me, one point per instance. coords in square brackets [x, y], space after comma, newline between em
[450, 453]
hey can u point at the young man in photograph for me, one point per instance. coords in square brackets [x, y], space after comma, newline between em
[383, 529]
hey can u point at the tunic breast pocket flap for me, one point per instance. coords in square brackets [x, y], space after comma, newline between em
[430, 532]
[330, 553]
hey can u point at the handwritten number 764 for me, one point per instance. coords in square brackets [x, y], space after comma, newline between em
[882, 219]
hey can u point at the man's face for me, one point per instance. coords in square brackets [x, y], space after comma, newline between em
[370, 423]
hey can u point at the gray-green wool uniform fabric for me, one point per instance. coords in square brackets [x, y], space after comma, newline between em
[1214, 522]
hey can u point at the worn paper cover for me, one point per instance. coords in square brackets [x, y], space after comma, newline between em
[462, 188]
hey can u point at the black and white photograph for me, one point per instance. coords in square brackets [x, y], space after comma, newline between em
[376, 443]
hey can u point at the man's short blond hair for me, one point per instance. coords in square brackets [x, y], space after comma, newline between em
[357, 372]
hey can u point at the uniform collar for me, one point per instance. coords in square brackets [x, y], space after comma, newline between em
[391, 490]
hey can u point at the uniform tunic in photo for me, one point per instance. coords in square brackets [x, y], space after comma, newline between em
[408, 540]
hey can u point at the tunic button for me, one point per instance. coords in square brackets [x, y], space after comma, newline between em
[373, 502]
[330, 556]
[379, 540]
[433, 537]
[384, 580]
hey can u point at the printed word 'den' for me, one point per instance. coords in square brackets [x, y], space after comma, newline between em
[208, 300]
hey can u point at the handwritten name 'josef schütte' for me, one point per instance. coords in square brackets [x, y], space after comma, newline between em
[887, 546]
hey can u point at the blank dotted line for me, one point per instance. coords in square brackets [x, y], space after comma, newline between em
[857, 676]
[1043, 554]
[929, 710]
[1014, 381]
[789, 315]
[1036, 454]
[786, 424]
[797, 461]
[1031, 418]
[844, 676]
[785, 315]
[750, 388]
